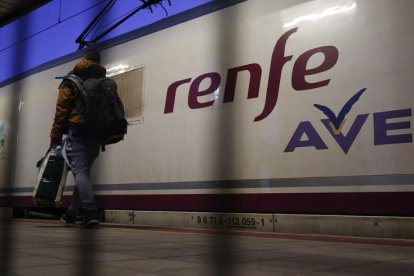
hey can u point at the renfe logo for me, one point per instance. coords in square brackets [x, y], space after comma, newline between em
[333, 123]
[300, 71]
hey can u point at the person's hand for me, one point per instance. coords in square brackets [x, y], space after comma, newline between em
[55, 142]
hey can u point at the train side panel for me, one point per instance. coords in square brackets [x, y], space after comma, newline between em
[264, 106]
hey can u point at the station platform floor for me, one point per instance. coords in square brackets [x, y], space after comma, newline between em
[39, 247]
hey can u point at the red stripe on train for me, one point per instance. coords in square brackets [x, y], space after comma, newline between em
[385, 203]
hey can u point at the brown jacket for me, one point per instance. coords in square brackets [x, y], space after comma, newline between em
[66, 115]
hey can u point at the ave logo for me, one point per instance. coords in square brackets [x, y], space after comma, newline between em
[383, 125]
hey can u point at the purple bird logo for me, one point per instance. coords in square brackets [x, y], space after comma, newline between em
[337, 122]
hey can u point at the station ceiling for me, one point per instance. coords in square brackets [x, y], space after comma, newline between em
[11, 10]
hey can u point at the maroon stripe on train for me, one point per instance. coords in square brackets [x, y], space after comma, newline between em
[385, 203]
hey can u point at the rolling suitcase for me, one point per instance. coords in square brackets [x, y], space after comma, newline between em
[51, 179]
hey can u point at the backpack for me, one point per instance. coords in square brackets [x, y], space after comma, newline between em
[104, 114]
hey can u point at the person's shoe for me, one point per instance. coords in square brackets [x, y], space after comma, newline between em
[68, 220]
[90, 220]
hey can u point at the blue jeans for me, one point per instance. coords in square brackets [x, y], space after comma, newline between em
[81, 152]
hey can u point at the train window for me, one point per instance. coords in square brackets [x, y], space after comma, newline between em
[130, 89]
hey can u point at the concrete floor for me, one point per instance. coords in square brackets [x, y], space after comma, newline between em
[44, 248]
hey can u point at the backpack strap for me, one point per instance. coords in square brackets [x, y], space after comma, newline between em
[74, 79]
[78, 83]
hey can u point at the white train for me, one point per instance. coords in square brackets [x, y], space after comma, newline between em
[264, 106]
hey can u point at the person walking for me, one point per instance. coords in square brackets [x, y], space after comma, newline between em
[81, 147]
